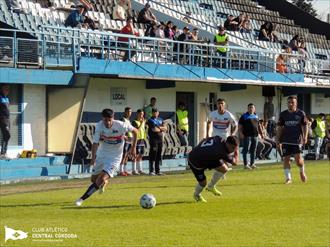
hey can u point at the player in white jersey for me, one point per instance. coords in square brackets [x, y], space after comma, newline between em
[107, 150]
[223, 122]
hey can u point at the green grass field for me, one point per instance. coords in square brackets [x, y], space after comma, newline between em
[256, 209]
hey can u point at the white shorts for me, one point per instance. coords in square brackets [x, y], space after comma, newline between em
[108, 165]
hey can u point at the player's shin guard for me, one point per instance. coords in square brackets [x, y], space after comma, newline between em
[92, 188]
[198, 189]
[215, 178]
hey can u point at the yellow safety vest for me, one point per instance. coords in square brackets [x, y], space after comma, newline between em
[183, 120]
[129, 134]
[221, 38]
[142, 135]
[320, 128]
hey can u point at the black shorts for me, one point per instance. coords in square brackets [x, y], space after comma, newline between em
[288, 150]
[127, 146]
[199, 174]
[140, 150]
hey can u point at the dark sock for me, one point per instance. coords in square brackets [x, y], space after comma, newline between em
[92, 188]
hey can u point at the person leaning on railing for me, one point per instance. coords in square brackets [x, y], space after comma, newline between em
[125, 42]
[221, 39]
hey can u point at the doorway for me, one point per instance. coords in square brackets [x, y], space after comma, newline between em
[188, 98]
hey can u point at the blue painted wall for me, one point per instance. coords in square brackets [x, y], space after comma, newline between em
[172, 71]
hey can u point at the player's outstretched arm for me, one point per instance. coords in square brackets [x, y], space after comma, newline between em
[94, 150]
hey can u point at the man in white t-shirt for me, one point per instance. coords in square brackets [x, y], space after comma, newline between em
[107, 150]
[223, 122]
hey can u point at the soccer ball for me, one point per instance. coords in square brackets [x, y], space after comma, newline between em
[147, 201]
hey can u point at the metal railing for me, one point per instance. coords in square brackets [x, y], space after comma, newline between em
[57, 46]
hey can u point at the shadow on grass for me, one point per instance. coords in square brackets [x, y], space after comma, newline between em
[35, 205]
[126, 206]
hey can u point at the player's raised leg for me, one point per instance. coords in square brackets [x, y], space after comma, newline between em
[101, 179]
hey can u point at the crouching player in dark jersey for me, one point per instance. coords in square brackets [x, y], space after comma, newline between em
[212, 153]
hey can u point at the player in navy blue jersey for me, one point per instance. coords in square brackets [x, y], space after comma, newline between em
[292, 134]
[212, 153]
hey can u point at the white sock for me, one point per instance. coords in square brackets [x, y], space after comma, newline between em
[287, 173]
[134, 166]
[121, 168]
[302, 169]
[215, 178]
[198, 190]
[139, 166]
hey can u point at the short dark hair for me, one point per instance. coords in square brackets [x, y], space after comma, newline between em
[107, 113]
[251, 104]
[322, 114]
[139, 110]
[233, 140]
[292, 97]
[181, 103]
[128, 108]
[154, 110]
[220, 100]
[153, 98]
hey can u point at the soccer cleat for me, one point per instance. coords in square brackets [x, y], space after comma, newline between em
[135, 173]
[253, 166]
[199, 198]
[102, 189]
[79, 202]
[128, 173]
[142, 173]
[303, 177]
[247, 167]
[288, 181]
[152, 174]
[214, 190]
[123, 174]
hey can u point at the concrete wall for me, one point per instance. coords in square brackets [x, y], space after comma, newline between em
[320, 104]
[98, 97]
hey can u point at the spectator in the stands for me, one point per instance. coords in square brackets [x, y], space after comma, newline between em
[266, 32]
[119, 11]
[303, 55]
[183, 48]
[281, 65]
[194, 35]
[76, 18]
[230, 24]
[124, 42]
[239, 19]
[147, 17]
[222, 39]
[176, 32]
[297, 42]
[187, 17]
[168, 31]
[246, 25]
[127, 6]
[160, 31]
